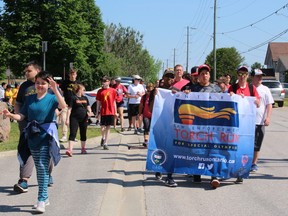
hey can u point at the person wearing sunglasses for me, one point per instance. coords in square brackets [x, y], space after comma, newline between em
[243, 88]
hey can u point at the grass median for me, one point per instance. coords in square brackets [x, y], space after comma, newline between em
[12, 142]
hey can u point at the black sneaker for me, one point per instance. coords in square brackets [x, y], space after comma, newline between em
[102, 142]
[21, 187]
[197, 178]
[158, 175]
[239, 180]
[170, 182]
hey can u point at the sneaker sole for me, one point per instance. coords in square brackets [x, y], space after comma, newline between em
[46, 204]
[238, 182]
[19, 189]
[168, 185]
[215, 184]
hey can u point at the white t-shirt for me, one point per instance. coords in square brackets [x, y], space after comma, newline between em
[265, 99]
[133, 90]
[2, 93]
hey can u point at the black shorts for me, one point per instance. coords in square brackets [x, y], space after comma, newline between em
[107, 120]
[146, 122]
[134, 109]
[259, 136]
[120, 104]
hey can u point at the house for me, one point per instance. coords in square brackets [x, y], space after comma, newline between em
[277, 59]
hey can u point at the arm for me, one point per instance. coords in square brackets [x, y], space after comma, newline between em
[68, 116]
[89, 111]
[17, 117]
[98, 108]
[60, 98]
[269, 112]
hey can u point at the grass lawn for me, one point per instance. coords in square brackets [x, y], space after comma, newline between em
[286, 102]
[12, 142]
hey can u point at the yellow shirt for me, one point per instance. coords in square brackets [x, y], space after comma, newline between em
[9, 94]
[15, 92]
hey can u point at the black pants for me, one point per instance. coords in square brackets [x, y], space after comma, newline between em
[74, 124]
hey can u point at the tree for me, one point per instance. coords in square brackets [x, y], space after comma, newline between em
[126, 45]
[256, 65]
[228, 59]
[73, 29]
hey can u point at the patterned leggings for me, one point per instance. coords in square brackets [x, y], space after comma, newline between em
[41, 159]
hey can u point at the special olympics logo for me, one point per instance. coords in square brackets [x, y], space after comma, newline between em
[158, 157]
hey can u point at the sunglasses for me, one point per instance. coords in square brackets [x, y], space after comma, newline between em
[242, 74]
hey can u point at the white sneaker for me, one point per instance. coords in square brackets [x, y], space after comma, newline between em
[40, 206]
[63, 139]
[46, 204]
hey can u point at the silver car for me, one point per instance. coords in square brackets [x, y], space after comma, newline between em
[277, 91]
[285, 86]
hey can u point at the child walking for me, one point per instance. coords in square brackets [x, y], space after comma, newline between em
[106, 106]
[77, 117]
[41, 131]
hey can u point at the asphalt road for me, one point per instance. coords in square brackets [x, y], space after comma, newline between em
[115, 182]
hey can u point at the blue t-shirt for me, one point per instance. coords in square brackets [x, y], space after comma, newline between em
[42, 111]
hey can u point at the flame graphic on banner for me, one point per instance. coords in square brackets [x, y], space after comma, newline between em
[187, 113]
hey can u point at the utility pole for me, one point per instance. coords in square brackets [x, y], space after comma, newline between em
[44, 50]
[187, 55]
[167, 63]
[214, 43]
[174, 62]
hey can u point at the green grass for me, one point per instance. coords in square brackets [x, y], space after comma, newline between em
[286, 102]
[12, 142]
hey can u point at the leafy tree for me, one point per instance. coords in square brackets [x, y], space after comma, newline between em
[73, 29]
[127, 44]
[255, 65]
[227, 61]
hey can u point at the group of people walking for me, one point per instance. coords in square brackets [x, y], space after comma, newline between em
[200, 82]
[40, 100]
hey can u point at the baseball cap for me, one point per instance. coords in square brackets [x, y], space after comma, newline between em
[203, 66]
[194, 71]
[243, 68]
[137, 77]
[168, 71]
[257, 72]
[118, 79]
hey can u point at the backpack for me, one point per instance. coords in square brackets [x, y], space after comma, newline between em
[251, 89]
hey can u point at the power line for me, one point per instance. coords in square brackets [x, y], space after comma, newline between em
[256, 21]
[266, 42]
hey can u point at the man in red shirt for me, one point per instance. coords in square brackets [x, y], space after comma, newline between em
[106, 99]
[179, 82]
[120, 90]
[244, 89]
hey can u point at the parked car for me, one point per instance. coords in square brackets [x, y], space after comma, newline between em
[91, 95]
[285, 86]
[277, 91]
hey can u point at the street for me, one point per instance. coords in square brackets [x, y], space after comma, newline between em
[115, 182]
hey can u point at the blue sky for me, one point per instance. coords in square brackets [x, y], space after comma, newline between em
[164, 26]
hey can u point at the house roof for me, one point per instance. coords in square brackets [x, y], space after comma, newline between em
[276, 49]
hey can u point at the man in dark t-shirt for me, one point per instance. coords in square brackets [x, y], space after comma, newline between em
[67, 89]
